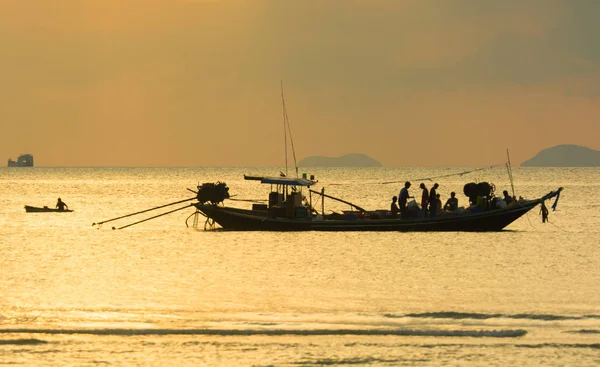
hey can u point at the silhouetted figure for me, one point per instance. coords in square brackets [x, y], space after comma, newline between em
[403, 198]
[544, 212]
[61, 205]
[432, 200]
[507, 198]
[394, 207]
[424, 197]
[452, 202]
[438, 204]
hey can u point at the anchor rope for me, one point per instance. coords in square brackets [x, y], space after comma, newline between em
[423, 178]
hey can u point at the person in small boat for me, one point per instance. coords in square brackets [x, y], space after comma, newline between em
[424, 198]
[433, 199]
[403, 198]
[507, 198]
[394, 207]
[61, 205]
[452, 203]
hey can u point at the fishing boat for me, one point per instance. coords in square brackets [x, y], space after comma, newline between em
[289, 210]
[45, 209]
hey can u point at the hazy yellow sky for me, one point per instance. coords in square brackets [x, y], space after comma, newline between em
[196, 82]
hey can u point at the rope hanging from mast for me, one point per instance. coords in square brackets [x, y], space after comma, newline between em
[442, 176]
[424, 178]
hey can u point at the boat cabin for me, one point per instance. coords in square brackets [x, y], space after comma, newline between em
[285, 198]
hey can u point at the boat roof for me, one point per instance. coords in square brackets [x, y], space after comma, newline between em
[288, 181]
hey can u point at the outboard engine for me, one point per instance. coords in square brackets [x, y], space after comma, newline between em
[213, 193]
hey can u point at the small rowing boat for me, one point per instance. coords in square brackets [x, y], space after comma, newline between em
[45, 209]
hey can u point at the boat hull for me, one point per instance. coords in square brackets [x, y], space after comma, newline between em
[249, 220]
[35, 209]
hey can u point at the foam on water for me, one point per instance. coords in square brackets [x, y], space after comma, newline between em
[482, 316]
[277, 332]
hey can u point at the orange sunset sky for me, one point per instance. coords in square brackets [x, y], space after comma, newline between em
[197, 82]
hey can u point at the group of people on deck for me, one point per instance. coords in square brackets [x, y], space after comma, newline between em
[431, 204]
[430, 201]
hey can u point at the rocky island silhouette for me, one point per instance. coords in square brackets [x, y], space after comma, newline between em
[348, 160]
[565, 155]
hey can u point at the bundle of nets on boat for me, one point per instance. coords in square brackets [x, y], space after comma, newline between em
[213, 193]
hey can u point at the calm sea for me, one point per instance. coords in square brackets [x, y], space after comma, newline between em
[163, 294]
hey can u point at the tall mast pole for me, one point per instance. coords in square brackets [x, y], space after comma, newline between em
[510, 176]
[286, 125]
[284, 128]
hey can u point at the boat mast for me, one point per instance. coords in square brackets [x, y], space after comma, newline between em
[286, 129]
[510, 176]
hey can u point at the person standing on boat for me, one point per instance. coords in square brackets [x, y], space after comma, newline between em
[61, 205]
[438, 204]
[403, 198]
[424, 198]
[394, 207]
[433, 200]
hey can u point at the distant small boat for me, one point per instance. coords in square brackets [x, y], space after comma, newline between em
[24, 160]
[35, 209]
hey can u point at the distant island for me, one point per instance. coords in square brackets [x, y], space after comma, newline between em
[566, 155]
[348, 160]
[24, 160]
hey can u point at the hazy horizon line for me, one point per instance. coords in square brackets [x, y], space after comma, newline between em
[280, 168]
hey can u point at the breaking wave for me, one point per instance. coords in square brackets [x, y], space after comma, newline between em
[361, 361]
[22, 342]
[277, 332]
[484, 316]
[556, 345]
